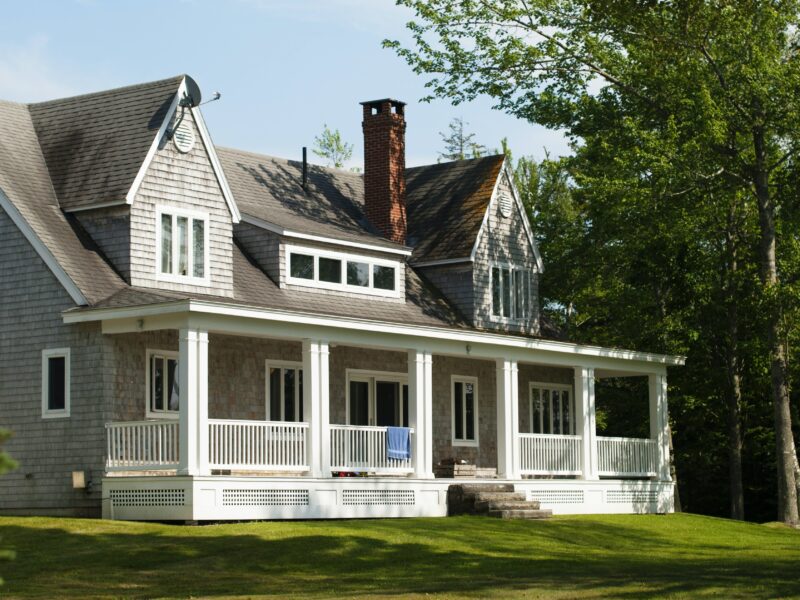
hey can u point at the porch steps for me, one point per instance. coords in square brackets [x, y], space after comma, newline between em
[498, 500]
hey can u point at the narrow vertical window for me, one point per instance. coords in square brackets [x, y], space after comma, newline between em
[199, 254]
[465, 411]
[284, 393]
[56, 383]
[496, 293]
[183, 246]
[166, 243]
[506, 285]
[161, 371]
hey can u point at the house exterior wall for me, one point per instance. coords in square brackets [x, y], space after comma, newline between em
[504, 240]
[456, 284]
[263, 246]
[110, 228]
[184, 181]
[47, 450]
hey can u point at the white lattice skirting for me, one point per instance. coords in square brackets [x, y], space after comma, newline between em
[219, 498]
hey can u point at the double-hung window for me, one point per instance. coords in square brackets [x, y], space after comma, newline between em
[552, 409]
[511, 293]
[162, 389]
[182, 245]
[284, 391]
[55, 383]
[464, 392]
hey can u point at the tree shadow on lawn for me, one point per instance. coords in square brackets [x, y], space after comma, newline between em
[461, 556]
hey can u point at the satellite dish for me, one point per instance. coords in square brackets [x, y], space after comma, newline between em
[193, 95]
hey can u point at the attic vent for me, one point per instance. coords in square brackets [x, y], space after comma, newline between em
[504, 201]
[184, 137]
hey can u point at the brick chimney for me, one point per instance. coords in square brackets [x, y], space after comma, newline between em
[384, 128]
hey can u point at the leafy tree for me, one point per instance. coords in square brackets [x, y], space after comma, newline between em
[701, 100]
[458, 144]
[330, 146]
[6, 464]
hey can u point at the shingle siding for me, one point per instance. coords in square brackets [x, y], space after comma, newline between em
[456, 283]
[263, 246]
[503, 239]
[48, 450]
[185, 181]
[111, 230]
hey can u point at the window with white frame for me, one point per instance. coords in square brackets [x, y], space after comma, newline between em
[181, 245]
[464, 393]
[55, 383]
[511, 293]
[312, 267]
[375, 398]
[552, 409]
[284, 391]
[162, 390]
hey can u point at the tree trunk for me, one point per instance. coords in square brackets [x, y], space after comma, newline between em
[784, 440]
[733, 385]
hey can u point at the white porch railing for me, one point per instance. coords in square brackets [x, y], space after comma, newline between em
[258, 445]
[142, 445]
[546, 454]
[361, 448]
[618, 456]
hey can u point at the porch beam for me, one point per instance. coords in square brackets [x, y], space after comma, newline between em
[586, 422]
[420, 411]
[659, 422]
[508, 455]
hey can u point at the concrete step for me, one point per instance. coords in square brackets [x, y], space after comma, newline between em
[507, 505]
[521, 514]
[499, 497]
[473, 488]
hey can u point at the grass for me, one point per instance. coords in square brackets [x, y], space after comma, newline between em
[572, 557]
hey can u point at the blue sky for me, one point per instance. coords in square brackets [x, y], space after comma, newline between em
[284, 67]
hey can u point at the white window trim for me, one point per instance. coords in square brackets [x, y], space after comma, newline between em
[46, 355]
[149, 413]
[371, 378]
[511, 268]
[189, 214]
[562, 387]
[344, 257]
[282, 364]
[456, 442]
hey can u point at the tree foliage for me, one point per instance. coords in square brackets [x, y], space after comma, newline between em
[683, 120]
[330, 146]
[458, 143]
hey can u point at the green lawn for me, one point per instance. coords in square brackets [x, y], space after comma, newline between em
[586, 557]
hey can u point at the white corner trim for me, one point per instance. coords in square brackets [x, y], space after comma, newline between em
[212, 155]
[319, 238]
[137, 182]
[42, 250]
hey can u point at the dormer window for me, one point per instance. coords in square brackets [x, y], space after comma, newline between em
[182, 245]
[511, 293]
[311, 267]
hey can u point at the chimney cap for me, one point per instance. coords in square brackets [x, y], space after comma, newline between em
[376, 103]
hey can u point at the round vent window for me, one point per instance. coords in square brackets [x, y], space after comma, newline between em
[505, 205]
[184, 137]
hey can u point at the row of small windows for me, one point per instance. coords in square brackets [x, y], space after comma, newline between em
[332, 272]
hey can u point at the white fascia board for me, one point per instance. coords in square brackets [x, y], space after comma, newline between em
[137, 182]
[319, 238]
[485, 221]
[523, 214]
[445, 261]
[212, 154]
[97, 206]
[42, 250]
[206, 307]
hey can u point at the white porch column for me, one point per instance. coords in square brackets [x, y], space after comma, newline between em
[659, 423]
[316, 406]
[420, 411]
[507, 419]
[586, 421]
[193, 400]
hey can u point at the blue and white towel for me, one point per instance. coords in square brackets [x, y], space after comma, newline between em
[398, 443]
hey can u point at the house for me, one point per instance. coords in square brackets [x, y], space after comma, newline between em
[190, 332]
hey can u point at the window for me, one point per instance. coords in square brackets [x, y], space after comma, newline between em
[551, 409]
[162, 384]
[377, 399]
[465, 410]
[55, 383]
[284, 391]
[511, 293]
[345, 272]
[182, 245]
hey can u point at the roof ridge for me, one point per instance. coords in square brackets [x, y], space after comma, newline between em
[297, 160]
[123, 88]
[450, 163]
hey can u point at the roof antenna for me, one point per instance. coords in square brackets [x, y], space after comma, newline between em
[214, 98]
[305, 169]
